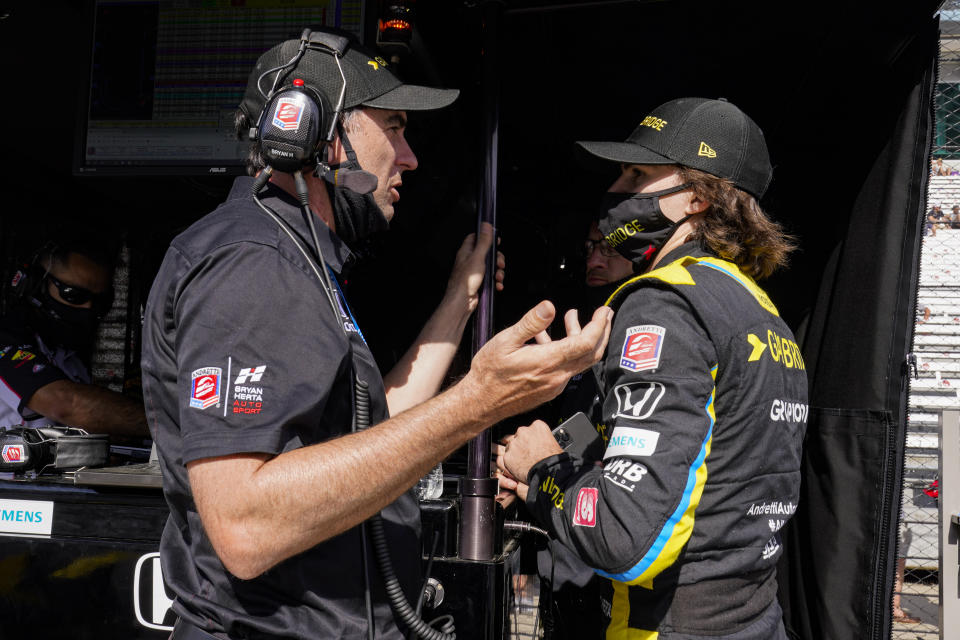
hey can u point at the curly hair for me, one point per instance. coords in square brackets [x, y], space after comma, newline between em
[736, 228]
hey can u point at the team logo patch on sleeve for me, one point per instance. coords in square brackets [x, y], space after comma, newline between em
[247, 392]
[250, 374]
[585, 515]
[22, 356]
[637, 400]
[641, 348]
[205, 387]
[628, 441]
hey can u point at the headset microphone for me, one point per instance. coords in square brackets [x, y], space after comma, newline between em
[356, 180]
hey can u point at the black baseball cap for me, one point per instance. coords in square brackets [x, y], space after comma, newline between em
[710, 135]
[369, 80]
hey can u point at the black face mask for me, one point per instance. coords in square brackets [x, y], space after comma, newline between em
[60, 324]
[357, 216]
[634, 225]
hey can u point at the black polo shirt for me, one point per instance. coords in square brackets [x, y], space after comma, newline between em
[242, 353]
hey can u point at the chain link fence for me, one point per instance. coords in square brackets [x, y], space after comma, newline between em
[936, 385]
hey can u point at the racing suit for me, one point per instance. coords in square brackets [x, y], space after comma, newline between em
[705, 404]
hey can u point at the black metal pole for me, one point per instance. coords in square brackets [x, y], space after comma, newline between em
[478, 495]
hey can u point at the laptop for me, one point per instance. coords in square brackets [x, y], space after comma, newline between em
[139, 475]
[144, 474]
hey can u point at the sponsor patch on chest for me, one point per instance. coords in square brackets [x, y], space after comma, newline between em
[641, 348]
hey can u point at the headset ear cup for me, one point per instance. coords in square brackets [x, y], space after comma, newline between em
[291, 127]
[28, 278]
[19, 281]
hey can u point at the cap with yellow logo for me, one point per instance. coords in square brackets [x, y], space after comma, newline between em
[710, 135]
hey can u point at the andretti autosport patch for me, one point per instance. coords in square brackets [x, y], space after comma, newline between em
[205, 387]
[641, 348]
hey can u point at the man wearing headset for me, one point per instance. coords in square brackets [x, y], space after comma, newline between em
[47, 338]
[253, 365]
[704, 393]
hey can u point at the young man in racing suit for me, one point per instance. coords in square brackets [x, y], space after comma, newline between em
[704, 392]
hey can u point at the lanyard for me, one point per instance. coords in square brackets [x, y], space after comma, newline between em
[345, 310]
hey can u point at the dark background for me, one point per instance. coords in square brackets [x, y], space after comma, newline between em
[814, 76]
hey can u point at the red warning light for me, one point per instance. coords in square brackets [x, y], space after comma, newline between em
[395, 25]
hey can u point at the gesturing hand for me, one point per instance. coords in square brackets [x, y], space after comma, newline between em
[509, 375]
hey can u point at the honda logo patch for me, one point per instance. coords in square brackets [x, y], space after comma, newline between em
[641, 348]
[585, 515]
[637, 400]
[205, 387]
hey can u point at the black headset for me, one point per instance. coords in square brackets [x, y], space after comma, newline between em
[27, 279]
[294, 127]
[297, 120]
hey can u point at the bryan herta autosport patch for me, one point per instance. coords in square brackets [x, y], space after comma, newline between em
[641, 348]
[248, 391]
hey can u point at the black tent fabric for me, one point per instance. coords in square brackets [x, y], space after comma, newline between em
[837, 580]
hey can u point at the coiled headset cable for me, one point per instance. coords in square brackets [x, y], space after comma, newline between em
[398, 601]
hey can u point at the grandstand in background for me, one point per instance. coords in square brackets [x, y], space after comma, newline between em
[935, 386]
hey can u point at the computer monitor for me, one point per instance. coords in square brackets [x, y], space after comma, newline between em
[166, 77]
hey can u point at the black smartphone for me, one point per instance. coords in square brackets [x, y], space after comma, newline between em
[577, 436]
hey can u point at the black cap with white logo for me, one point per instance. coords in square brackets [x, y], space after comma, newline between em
[710, 135]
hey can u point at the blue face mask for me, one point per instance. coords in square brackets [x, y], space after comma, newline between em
[634, 225]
